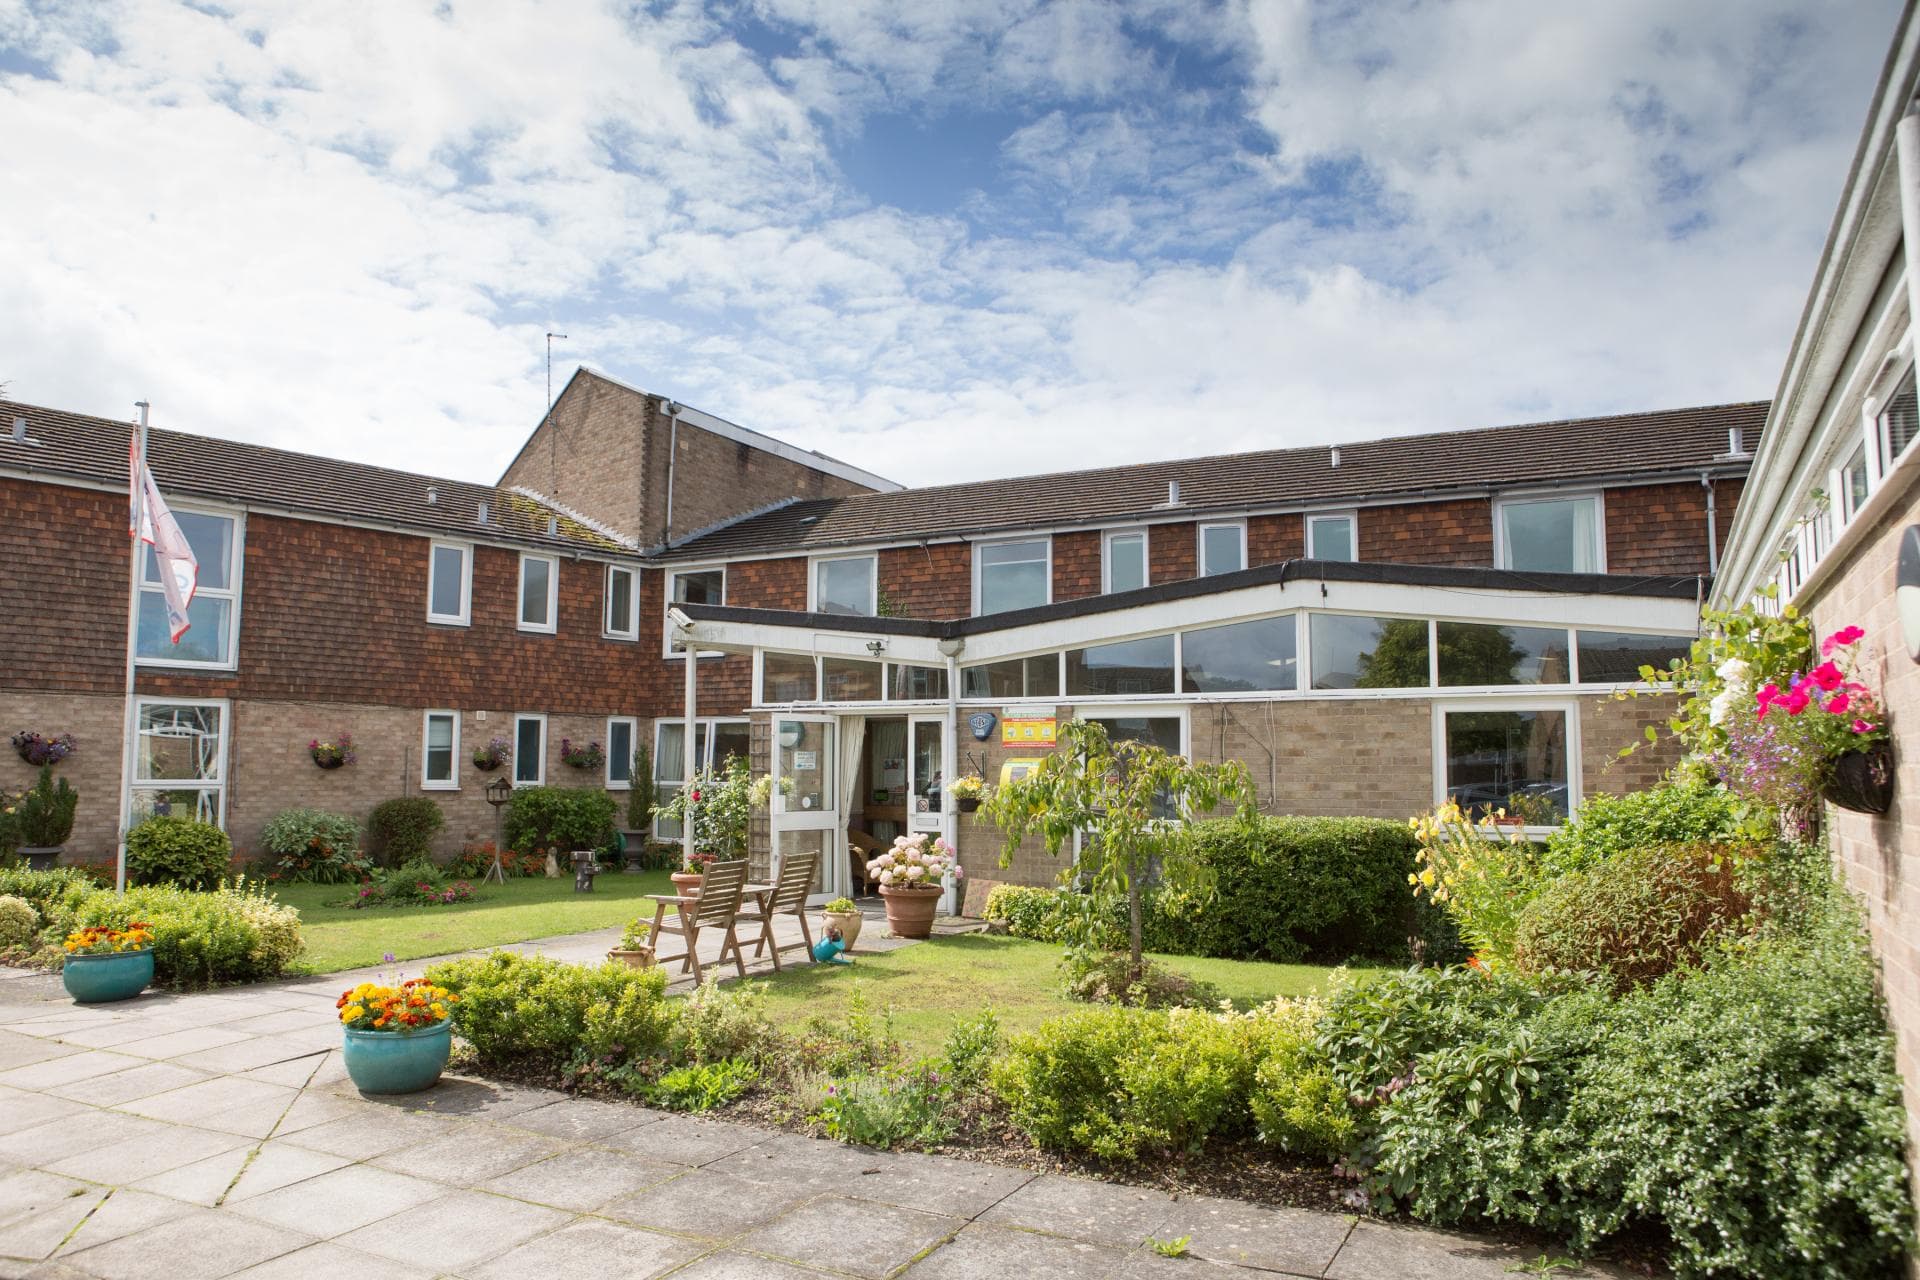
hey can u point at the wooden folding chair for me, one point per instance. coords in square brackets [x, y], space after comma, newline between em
[862, 849]
[716, 907]
[789, 898]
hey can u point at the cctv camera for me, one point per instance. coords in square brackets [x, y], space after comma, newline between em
[679, 619]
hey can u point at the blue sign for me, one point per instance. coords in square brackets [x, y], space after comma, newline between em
[981, 722]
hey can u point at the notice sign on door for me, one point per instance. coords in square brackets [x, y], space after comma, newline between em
[1033, 731]
[806, 761]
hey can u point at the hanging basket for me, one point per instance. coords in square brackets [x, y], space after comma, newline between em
[326, 761]
[1862, 781]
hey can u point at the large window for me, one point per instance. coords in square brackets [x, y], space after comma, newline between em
[714, 743]
[1123, 561]
[1550, 535]
[788, 677]
[1012, 575]
[620, 740]
[1333, 537]
[1512, 760]
[848, 585]
[916, 684]
[1899, 423]
[1369, 653]
[1035, 677]
[211, 618]
[450, 583]
[1164, 731]
[180, 760]
[1615, 657]
[694, 586]
[849, 680]
[539, 592]
[1117, 670]
[529, 750]
[1223, 548]
[622, 618]
[440, 751]
[1473, 653]
[1242, 657]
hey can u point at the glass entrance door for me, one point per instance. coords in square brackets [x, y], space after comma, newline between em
[926, 775]
[806, 803]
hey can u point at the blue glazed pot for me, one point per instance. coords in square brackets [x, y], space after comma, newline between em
[119, 975]
[397, 1061]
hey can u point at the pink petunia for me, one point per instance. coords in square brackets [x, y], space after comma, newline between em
[1795, 702]
[1840, 639]
[1861, 726]
[1827, 676]
[1839, 703]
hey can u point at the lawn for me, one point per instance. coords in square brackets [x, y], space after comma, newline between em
[931, 986]
[339, 937]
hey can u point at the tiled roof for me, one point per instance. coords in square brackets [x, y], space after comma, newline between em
[1558, 453]
[76, 446]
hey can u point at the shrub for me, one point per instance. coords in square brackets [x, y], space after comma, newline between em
[19, 922]
[718, 1023]
[403, 828]
[1673, 813]
[1049, 915]
[559, 818]
[43, 817]
[889, 1108]
[233, 934]
[55, 894]
[312, 845]
[416, 884]
[703, 1086]
[166, 849]
[1121, 1082]
[1482, 872]
[514, 1006]
[1636, 916]
[1108, 977]
[971, 1047]
[1297, 1105]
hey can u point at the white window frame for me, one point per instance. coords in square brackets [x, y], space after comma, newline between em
[451, 783]
[1045, 539]
[540, 760]
[1595, 496]
[1442, 707]
[1107, 539]
[632, 629]
[553, 594]
[465, 616]
[217, 784]
[633, 743]
[873, 581]
[702, 760]
[1352, 519]
[667, 602]
[1200, 545]
[234, 592]
[1156, 707]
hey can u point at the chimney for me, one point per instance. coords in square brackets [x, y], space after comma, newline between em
[553, 525]
[1336, 455]
[433, 496]
[1736, 444]
[483, 511]
[1173, 493]
[19, 430]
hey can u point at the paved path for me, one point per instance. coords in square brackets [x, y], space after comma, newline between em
[180, 1137]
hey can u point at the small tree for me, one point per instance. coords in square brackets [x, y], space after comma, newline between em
[640, 793]
[1132, 802]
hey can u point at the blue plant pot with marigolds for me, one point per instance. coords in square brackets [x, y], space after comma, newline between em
[397, 1038]
[103, 965]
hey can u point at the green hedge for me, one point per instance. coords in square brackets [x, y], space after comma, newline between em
[203, 939]
[562, 819]
[514, 1006]
[169, 849]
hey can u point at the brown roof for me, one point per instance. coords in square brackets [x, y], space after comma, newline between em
[1558, 453]
[76, 446]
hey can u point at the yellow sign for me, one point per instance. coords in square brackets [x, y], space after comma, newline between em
[1036, 731]
[1014, 770]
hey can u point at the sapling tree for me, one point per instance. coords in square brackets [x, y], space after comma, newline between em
[1132, 803]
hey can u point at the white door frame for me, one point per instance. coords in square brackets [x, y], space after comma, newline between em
[824, 819]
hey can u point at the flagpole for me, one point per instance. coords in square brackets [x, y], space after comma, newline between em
[129, 728]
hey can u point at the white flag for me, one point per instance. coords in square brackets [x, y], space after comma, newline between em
[179, 568]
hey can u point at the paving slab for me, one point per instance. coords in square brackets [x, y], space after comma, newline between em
[142, 1081]
[1253, 1235]
[338, 1202]
[686, 1139]
[582, 1179]
[705, 1203]
[366, 1132]
[145, 1154]
[585, 1119]
[790, 1161]
[470, 1155]
[279, 1164]
[590, 1249]
[203, 1182]
[863, 1239]
[749, 1266]
[980, 1252]
[456, 1231]
[68, 1068]
[17, 1050]
[112, 1034]
[1101, 1212]
[177, 1044]
[49, 1143]
[88, 1220]
[325, 1260]
[918, 1181]
[199, 1243]
[209, 1096]
[25, 1191]
[1374, 1250]
[20, 1109]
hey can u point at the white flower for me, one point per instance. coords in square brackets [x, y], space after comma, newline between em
[1734, 671]
[1723, 703]
[914, 873]
[886, 877]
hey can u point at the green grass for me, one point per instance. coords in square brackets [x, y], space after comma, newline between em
[933, 985]
[339, 937]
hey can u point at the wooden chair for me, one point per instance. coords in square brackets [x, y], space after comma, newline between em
[862, 849]
[716, 907]
[789, 898]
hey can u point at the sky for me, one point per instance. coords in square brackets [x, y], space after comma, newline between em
[940, 239]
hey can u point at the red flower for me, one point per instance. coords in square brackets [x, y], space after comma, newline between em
[1839, 703]
[1795, 702]
[1827, 676]
[1861, 726]
[1839, 639]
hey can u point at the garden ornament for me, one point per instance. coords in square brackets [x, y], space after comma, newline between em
[828, 949]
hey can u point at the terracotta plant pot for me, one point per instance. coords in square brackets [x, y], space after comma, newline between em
[910, 911]
[639, 958]
[687, 881]
[1862, 780]
[847, 922]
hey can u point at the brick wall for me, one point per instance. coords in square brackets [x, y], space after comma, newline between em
[716, 478]
[1660, 528]
[1338, 758]
[63, 576]
[95, 722]
[1076, 565]
[1172, 553]
[934, 581]
[1606, 726]
[1457, 532]
[1273, 539]
[1880, 857]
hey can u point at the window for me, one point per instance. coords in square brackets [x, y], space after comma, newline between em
[1123, 561]
[1507, 759]
[1615, 657]
[180, 760]
[529, 750]
[849, 680]
[1369, 653]
[693, 586]
[1332, 537]
[788, 677]
[1550, 535]
[1116, 670]
[1163, 731]
[849, 585]
[539, 592]
[1223, 548]
[213, 615]
[439, 750]
[620, 740]
[1472, 653]
[1899, 422]
[1012, 575]
[714, 743]
[916, 684]
[1853, 484]
[622, 621]
[1035, 677]
[1242, 657]
[450, 583]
